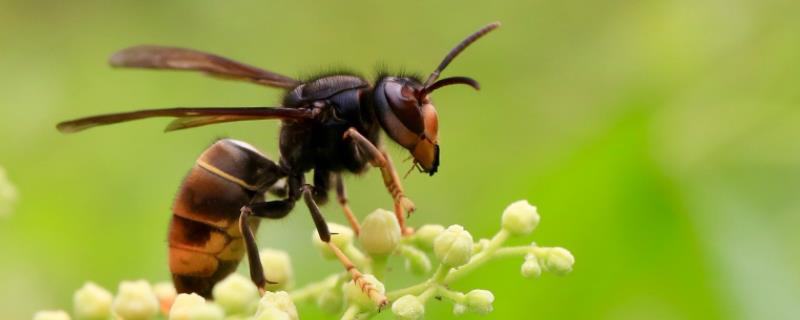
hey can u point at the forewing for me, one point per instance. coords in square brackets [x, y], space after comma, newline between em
[194, 117]
[158, 57]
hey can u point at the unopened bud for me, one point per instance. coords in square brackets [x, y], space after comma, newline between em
[341, 237]
[135, 301]
[276, 301]
[271, 313]
[417, 262]
[479, 301]
[520, 218]
[453, 247]
[459, 309]
[558, 260]
[426, 234]
[481, 245]
[235, 294]
[531, 268]
[51, 315]
[357, 297]
[92, 302]
[277, 268]
[408, 307]
[380, 233]
[166, 293]
[194, 307]
[165, 290]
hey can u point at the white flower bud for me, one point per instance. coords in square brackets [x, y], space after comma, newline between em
[408, 307]
[183, 302]
[92, 302]
[531, 268]
[342, 238]
[426, 234]
[272, 313]
[559, 261]
[276, 301]
[235, 294]
[208, 311]
[277, 268]
[459, 309]
[330, 301]
[51, 315]
[135, 300]
[355, 296]
[417, 262]
[453, 247]
[481, 245]
[194, 307]
[520, 218]
[479, 301]
[166, 293]
[380, 233]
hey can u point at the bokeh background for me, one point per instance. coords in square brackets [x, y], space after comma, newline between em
[659, 139]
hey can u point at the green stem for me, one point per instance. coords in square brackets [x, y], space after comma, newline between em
[379, 266]
[358, 258]
[480, 258]
[441, 274]
[513, 251]
[412, 290]
[454, 296]
[427, 294]
[315, 288]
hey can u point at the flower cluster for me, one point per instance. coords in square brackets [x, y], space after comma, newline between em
[455, 251]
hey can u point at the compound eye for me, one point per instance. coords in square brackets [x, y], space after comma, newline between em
[402, 99]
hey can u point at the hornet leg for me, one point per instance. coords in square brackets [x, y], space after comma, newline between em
[325, 236]
[379, 158]
[275, 209]
[342, 197]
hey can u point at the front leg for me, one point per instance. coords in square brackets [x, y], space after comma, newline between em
[379, 158]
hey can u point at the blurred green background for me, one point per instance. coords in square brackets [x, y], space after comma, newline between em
[659, 140]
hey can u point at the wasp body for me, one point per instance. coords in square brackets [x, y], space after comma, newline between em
[330, 125]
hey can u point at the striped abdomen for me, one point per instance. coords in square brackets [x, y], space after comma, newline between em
[205, 243]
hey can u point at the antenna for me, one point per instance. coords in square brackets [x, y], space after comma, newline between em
[453, 53]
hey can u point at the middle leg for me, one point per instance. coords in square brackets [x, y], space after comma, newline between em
[341, 195]
[325, 235]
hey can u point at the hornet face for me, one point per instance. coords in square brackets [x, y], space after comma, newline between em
[407, 115]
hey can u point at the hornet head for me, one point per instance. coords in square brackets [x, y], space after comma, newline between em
[405, 111]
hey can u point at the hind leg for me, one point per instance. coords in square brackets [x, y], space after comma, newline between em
[275, 209]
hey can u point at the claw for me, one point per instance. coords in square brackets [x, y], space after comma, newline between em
[408, 206]
[382, 305]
